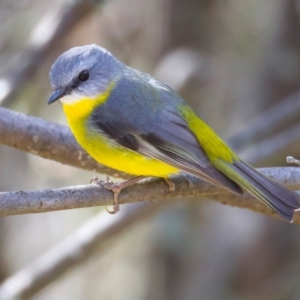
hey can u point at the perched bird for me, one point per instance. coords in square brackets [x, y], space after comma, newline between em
[129, 121]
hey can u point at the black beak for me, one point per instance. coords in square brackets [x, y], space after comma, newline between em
[57, 94]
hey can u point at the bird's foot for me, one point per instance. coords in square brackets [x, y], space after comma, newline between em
[171, 184]
[116, 188]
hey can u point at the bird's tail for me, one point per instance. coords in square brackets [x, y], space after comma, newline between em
[280, 199]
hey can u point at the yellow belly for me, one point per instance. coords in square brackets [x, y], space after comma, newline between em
[108, 153]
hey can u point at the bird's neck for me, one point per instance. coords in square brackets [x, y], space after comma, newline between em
[82, 107]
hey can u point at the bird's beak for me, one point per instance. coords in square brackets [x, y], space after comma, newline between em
[57, 94]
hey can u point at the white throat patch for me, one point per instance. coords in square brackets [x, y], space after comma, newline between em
[71, 99]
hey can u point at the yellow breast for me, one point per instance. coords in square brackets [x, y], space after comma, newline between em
[104, 150]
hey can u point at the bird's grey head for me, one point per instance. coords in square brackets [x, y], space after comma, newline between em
[84, 71]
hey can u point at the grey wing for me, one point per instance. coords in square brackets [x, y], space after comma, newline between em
[168, 139]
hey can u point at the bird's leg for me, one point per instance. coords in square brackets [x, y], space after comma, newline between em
[170, 183]
[116, 188]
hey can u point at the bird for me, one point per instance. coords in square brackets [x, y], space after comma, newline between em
[127, 120]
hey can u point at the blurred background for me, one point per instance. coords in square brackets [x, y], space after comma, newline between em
[237, 63]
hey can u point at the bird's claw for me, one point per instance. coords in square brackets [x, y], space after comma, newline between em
[108, 184]
[114, 210]
[114, 187]
[94, 180]
[171, 184]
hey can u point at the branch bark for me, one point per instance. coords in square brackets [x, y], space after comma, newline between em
[25, 202]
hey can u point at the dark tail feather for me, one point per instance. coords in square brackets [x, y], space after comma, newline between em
[280, 199]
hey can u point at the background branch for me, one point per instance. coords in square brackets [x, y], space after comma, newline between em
[263, 152]
[271, 134]
[267, 123]
[73, 251]
[42, 41]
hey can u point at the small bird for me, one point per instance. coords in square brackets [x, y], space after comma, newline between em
[129, 121]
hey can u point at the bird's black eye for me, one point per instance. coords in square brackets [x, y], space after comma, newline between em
[84, 75]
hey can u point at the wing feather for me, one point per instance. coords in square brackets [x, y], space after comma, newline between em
[170, 141]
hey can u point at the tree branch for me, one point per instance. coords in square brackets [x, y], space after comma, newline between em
[95, 233]
[53, 141]
[25, 202]
[273, 120]
[73, 251]
[48, 140]
[262, 152]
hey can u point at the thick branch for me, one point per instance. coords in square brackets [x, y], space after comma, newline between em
[12, 203]
[48, 140]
